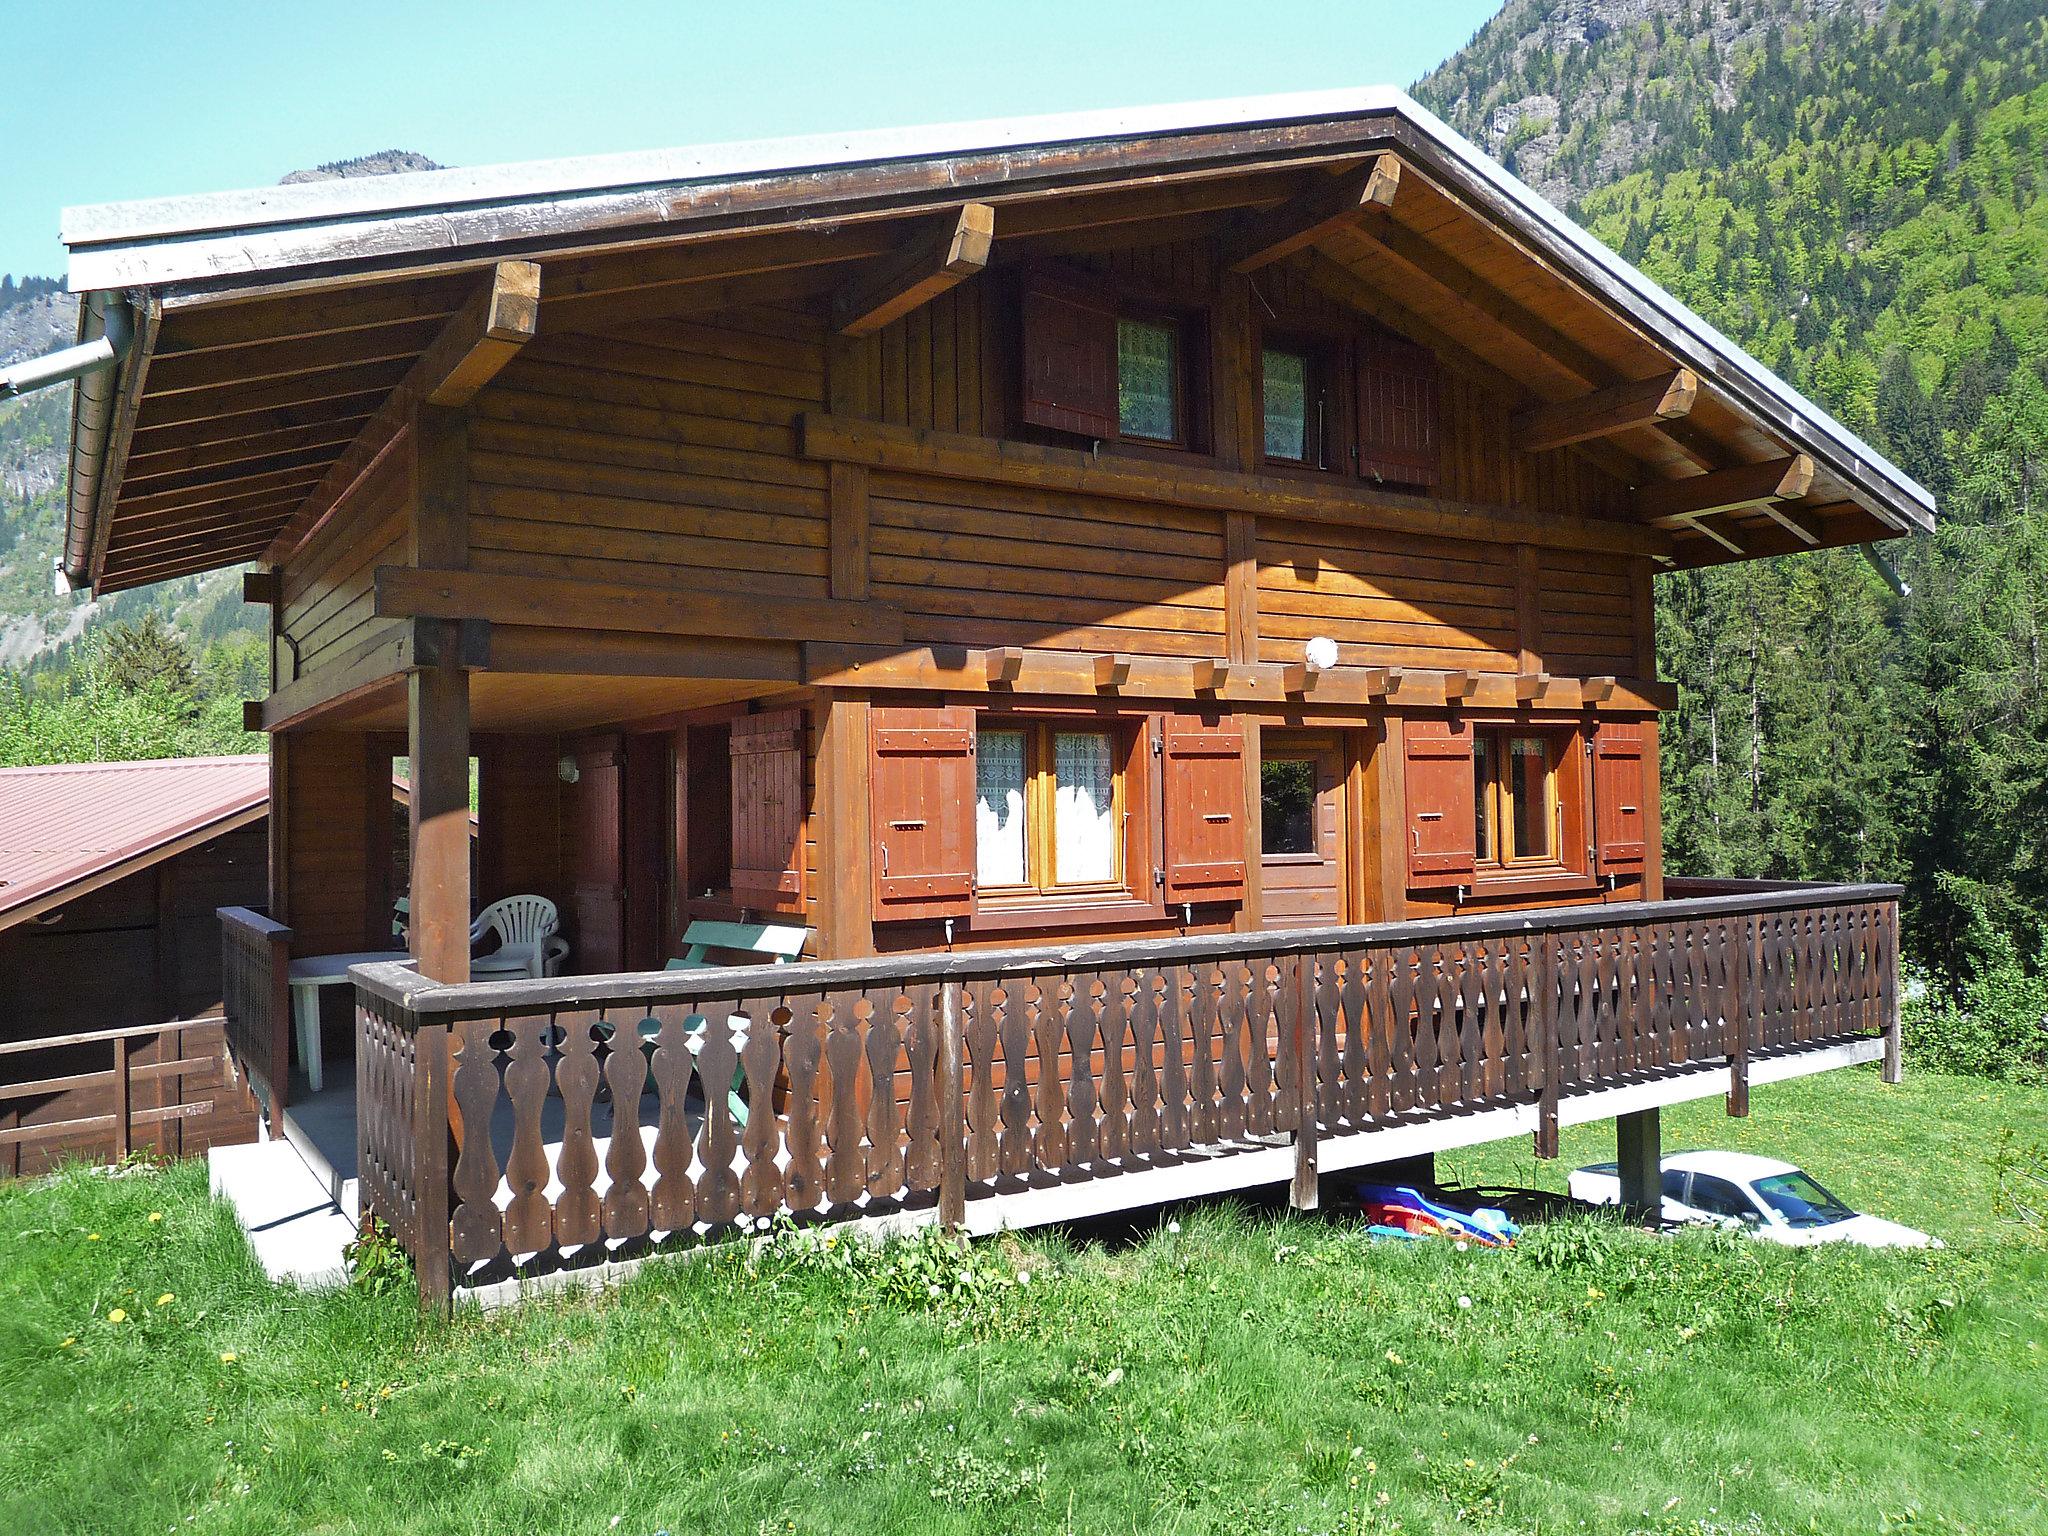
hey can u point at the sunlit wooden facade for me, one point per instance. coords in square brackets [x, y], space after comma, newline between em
[1086, 532]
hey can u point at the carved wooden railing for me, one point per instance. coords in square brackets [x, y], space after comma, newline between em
[862, 1087]
[163, 1088]
[255, 972]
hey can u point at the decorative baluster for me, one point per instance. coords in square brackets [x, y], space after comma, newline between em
[804, 1183]
[921, 1152]
[528, 1227]
[626, 1204]
[1171, 1012]
[1144, 1078]
[577, 1216]
[475, 1226]
[883, 1155]
[1046, 1005]
[761, 1184]
[1115, 1139]
[1084, 1013]
[1205, 1015]
[845, 1157]
[983, 1119]
[1013, 1031]
[718, 1190]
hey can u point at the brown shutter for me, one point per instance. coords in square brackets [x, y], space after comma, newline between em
[1070, 381]
[1203, 784]
[1398, 410]
[768, 810]
[1442, 830]
[921, 806]
[1619, 808]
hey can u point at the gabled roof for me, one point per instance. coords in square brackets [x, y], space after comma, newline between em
[273, 322]
[69, 828]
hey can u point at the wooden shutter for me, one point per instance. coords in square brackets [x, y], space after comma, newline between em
[1443, 844]
[1620, 805]
[1207, 840]
[768, 810]
[921, 809]
[1398, 410]
[1070, 380]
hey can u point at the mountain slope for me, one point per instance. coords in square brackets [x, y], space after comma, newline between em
[1852, 189]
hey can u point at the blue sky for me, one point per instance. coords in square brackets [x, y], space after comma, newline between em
[102, 100]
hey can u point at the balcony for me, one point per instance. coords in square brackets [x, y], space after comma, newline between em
[1006, 1088]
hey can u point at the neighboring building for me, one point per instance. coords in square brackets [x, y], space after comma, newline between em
[1207, 525]
[110, 878]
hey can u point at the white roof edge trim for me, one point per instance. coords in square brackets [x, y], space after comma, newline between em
[310, 202]
[114, 243]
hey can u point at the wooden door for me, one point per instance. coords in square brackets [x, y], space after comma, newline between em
[1301, 829]
[594, 837]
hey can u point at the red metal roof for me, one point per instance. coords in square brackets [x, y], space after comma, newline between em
[64, 824]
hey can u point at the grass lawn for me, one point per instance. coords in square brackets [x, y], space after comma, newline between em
[1247, 1372]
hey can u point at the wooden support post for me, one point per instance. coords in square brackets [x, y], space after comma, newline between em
[123, 1093]
[1546, 953]
[849, 532]
[433, 1089]
[437, 740]
[1241, 587]
[1304, 1194]
[1888, 994]
[952, 1111]
[1639, 1150]
[1739, 1030]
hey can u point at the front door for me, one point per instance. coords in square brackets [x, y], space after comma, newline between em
[1301, 828]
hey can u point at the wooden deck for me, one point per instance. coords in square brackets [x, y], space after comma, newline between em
[950, 1087]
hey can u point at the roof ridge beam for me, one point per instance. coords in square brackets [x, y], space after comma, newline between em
[1258, 240]
[1604, 412]
[918, 273]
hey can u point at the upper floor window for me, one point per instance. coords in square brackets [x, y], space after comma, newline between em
[1100, 366]
[1293, 395]
[1150, 401]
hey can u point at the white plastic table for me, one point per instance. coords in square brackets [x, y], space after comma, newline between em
[308, 975]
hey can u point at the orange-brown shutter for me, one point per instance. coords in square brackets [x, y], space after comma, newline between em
[921, 806]
[1619, 807]
[1203, 788]
[768, 810]
[1442, 829]
[1070, 379]
[1398, 410]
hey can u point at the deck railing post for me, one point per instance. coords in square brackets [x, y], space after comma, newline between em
[123, 1089]
[1302, 1035]
[952, 1111]
[433, 1263]
[1738, 1028]
[1888, 992]
[1545, 987]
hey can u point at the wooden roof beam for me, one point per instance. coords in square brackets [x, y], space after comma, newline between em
[1604, 412]
[1260, 239]
[1802, 526]
[482, 337]
[1670, 503]
[917, 274]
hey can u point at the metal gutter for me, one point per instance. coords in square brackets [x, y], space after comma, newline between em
[103, 405]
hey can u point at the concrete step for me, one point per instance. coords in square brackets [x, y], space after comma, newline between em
[294, 1224]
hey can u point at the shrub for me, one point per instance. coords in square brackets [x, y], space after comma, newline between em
[1991, 1022]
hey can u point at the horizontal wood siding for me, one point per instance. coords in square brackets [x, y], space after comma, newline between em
[327, 584]
[663, 459]
[1586, 617]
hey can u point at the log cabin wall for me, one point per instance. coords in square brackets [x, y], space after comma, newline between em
[327, 604]
[669, 452]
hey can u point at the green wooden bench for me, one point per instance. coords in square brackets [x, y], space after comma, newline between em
[780, 942]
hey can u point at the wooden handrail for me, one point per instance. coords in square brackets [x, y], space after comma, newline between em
[415, 995]
[121, 1119]
[95, 1036]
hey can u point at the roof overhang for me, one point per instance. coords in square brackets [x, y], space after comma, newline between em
[176, 255]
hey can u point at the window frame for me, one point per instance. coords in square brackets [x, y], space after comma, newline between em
[1129, 812]
[1178, 327]
[1325, 357]
[1568, 793]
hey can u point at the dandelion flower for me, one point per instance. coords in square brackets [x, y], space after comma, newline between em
[70, 1340]
[227, 1357]
[1173, 1229]
[118, 1315]
[155, 1217]
[1392, 1358]
[1464, 1303]
[92, 1237]
[166, 1299]
[1023, 1277]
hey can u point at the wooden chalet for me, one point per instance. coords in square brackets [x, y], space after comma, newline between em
[1164, 596]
